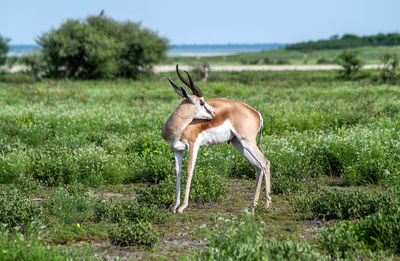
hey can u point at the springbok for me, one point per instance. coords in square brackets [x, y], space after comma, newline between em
[196, 122]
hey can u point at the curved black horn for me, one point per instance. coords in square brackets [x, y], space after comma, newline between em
[196, 90]
[181, 77]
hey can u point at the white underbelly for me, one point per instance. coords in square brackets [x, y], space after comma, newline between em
[215, 135]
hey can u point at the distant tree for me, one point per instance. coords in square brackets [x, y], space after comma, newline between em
[390, 65]
[100, 47]
[3, 49]
[334, 37]
[350, 62]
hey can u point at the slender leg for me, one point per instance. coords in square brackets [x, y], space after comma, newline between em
[255, 157]
[178, 168]
[193, 149]
[267, 186]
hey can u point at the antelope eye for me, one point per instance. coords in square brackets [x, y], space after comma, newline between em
[202, 103]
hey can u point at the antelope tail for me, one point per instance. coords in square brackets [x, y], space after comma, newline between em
[260, 131]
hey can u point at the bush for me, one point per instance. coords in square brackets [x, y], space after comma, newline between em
[3, 49]
[127, 234]
[350, 62]
[323, 60]
[100, 47]
[35, 63]
[118, 210]
[245, 241]
[390, 65]
[16, 211]
[268, 60]
[345, 204]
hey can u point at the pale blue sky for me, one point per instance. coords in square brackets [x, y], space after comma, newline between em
[210, 21]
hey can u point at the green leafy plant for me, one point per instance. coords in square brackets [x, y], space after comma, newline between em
[128, 234]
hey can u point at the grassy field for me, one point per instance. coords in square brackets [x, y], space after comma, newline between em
[85, 173]
[370, 55]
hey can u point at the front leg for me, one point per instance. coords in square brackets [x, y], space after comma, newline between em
[193, 149]
[178, 168]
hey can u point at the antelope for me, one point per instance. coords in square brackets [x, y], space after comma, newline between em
[197, 122]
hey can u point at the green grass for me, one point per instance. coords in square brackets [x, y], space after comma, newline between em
[85, 163]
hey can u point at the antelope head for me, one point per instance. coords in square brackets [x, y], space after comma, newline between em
[195, 103]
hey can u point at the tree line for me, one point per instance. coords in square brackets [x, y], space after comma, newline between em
[347, 41]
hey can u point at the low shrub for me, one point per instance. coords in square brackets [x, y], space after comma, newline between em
[341, 241]
[249, 60]
[379, 231]
[246, 241]
[344, 204]
[282, 60]
[268, 60]
[18, 212]
[128, 234]
[162, 195]
[323, 60]
[282, 184]
[71, 206]
[18, 247]
[116, 211]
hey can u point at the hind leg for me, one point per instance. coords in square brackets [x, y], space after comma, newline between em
[254, 156]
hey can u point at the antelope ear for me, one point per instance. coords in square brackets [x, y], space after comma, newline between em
[179, 90]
